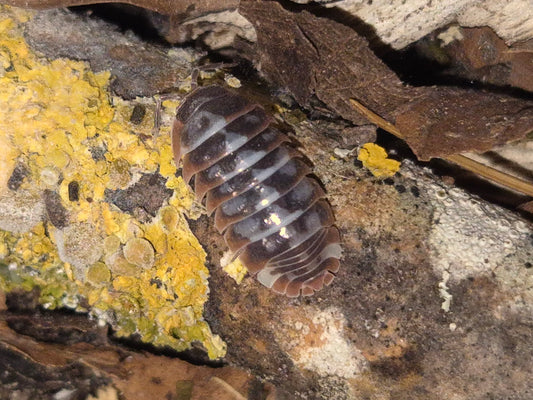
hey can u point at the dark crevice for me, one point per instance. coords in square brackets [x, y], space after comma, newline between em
[126, 18]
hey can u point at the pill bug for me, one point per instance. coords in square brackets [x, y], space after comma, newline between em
[272, 213]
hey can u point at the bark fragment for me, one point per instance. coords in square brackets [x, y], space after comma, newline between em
[329, 60]
[44, 355]
[314, 56]
[167, 7]
[448, 121]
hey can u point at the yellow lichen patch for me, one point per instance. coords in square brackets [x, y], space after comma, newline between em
[232, 81]
[122, 267]
[30, 259]
[80, 245]
[169, 218]
[235, 269]
[172, 292]
[4, 251]
[144, 275]
[183, 198]
[98, 274]
[168, 168]
[139, 252]
[374, 158]
[171, 104]
[111, 244]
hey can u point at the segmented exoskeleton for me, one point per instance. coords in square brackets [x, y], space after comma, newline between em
[273, 215]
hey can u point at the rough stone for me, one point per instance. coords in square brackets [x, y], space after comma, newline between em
[20, 211]
[79, 244]
[402, 23]
[140, 69]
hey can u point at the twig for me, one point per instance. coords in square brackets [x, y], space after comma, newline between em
[492, 174]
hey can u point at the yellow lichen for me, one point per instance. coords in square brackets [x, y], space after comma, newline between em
[4, 251]
[169, 218]
[140, 252]
[58, 120]
[168, 168]
[98, 274]
[119, 173]
[122, 267]
[236, 270]
[111, 244]
[232, 81]
[374, 158]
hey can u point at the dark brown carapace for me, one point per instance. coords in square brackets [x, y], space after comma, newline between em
[273, 216]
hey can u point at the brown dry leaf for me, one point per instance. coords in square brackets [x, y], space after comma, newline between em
[448, 121]
[182, 8]
[331, 61]
[314, 56]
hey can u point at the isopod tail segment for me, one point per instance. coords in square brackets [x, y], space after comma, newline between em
[272, 212]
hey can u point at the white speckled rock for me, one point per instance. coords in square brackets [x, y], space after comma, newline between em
[470, 238]
[316, 341]
[400, 23]
[80, 245]
[20, 211]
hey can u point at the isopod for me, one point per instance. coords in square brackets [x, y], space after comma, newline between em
[272, 213]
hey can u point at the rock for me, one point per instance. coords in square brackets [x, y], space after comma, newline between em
[400, 24]
[20, 211]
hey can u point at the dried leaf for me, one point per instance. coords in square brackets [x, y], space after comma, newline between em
[320, 57]
[329, 60]
[448, 121]
[184, 8]
[481, 55]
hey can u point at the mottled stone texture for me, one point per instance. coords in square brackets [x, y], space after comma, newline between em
[433, 299]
